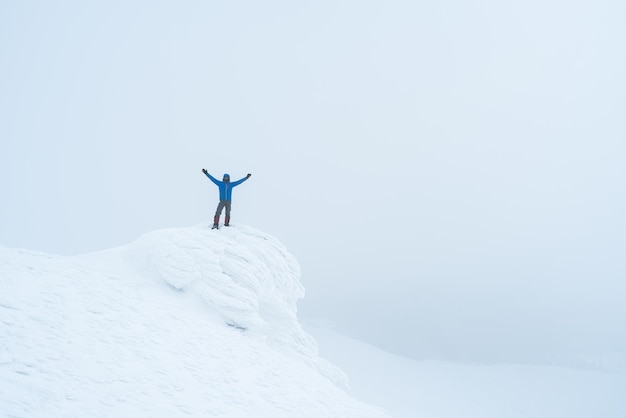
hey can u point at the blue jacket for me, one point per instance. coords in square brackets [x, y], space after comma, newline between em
[226, 189]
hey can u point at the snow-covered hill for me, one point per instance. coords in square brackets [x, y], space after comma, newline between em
[181, 322]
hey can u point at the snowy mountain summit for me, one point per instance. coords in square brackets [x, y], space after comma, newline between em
[181, 322]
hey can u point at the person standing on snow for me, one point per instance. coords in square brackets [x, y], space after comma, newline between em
[226, 189]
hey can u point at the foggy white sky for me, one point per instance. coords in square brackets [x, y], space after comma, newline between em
[463, 162]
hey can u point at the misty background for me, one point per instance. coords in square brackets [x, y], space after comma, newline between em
[450, 176]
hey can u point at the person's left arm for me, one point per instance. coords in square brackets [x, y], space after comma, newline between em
[238, 182]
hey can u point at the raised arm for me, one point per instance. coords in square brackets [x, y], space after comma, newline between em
[238, 182]
[213, 179]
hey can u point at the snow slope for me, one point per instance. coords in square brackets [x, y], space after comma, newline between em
[181, 322]
[408, 388]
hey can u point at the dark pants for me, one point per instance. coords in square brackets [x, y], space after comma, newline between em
[223, 204]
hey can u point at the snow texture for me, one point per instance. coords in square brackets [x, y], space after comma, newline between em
[181, 322]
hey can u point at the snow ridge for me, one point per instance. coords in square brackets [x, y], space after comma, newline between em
[236, 270]
[247, 276]
[180, 322]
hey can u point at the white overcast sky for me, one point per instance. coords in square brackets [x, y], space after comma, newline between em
[450, 174]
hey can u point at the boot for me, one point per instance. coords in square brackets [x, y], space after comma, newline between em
[216, 221]
[227, 221]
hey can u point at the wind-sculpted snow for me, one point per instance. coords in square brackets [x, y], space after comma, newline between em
[249, 277]
[182, 322]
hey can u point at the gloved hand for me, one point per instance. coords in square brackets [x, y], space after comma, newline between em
[248, 176]
[204, 171]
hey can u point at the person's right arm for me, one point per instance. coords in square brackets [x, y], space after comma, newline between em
[213, 179]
